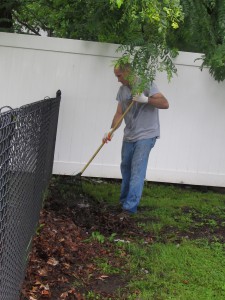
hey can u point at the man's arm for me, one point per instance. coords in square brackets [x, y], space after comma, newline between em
[158, 101]
[117, 116]
[108, 135]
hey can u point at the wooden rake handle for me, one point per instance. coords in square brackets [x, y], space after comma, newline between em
[114, 128]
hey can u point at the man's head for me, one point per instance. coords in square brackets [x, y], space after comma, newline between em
[122, 72]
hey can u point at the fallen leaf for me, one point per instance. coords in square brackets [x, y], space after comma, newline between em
[45, 294]
[52, 261]
[185, 281]
[43, 272]
[37, 282]
[64, 295]
[66, 266]
[102, 277]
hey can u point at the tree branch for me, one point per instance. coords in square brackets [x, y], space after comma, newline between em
[36, 32]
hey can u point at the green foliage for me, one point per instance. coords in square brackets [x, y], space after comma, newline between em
[215, 61]
[6, 8]
[203, 30]
[150, 32]
[97, 236]
[87, 20]
[144, 43]
[39, 229]
[141, 26]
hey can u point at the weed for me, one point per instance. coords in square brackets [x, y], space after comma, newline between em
[106, 267]
[97, 236]
[39, 228]
[92, 296]
[112, 237]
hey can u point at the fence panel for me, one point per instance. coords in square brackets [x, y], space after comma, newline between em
[27, 142]
[190, 150]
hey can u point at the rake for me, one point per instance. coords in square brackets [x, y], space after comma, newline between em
[77, 178]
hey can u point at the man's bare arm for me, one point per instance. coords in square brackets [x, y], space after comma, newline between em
[158, 101]
[117, 116]
[108, 135]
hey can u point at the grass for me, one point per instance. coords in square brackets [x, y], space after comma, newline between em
[187, 271]
[186, 260]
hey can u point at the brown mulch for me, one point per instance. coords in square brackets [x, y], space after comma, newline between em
[62, 263]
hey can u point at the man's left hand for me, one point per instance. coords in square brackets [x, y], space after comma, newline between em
[141, 98]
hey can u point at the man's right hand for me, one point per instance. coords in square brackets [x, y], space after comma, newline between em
[107, 136]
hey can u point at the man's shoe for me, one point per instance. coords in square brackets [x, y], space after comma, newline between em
[125, 214]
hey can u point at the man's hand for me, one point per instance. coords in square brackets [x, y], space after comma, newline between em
[141, 98]
[107, 136]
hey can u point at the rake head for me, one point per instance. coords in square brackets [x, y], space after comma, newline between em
[75, 182]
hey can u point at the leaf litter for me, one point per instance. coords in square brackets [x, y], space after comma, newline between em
[71, 238]
[62, 262]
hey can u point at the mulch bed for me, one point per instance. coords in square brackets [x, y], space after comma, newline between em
[62, 260]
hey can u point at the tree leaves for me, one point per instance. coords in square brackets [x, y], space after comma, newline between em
[203, 31]
[144, 28]
[139, 25]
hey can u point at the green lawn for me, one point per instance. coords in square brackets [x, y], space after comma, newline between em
[181, 253]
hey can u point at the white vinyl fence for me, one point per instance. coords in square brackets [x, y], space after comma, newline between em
[191, 147]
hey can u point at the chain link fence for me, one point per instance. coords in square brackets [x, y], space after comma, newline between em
[27, 143]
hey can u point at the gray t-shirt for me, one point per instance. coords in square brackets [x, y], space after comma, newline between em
[142, 120]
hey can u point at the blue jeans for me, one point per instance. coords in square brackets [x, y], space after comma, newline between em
[133, 168]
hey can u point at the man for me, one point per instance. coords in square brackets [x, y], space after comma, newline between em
[140, 134]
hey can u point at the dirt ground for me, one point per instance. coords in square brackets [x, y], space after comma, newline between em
[61, 264]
